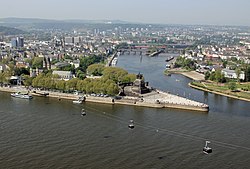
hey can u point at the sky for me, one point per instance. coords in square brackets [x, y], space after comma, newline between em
[208, 12]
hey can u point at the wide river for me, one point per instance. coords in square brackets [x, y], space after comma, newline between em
[48, 133]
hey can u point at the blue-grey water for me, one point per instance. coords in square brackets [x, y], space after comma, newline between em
[47, 133]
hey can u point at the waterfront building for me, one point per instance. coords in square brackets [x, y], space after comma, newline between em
[64, 75]
[231, 74]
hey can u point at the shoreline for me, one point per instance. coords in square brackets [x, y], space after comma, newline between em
[192, 75]
[219, 93]
[157, 99]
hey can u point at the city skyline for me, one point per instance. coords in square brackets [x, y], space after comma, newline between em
[222, 12]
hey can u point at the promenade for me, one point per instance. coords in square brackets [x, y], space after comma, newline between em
[154, 99]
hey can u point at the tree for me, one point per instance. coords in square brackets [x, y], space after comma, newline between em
[72, 84]
[37, 62]
[207, 75]
[219, 77]
[129, 78]
[27, 80]
[20, 71]
[113, 73]
[5, 77]
[247, 72]
[61, 85]
[238, 72]
[232, 86]
[95, 69]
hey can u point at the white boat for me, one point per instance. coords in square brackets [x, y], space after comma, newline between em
[131, 125]
[83, 112]
[21, 95]
[78, 101]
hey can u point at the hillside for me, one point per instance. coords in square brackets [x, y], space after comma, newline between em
[10, 31]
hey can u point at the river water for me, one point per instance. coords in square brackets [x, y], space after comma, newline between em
[48, 133]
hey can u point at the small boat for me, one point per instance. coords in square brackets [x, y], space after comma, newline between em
[83, 113]
[206, 149]
[78, 101]
[21, 95]
[169, 59]
[131, 125]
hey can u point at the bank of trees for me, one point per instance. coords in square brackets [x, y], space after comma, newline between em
[216, 76]
[107, 84]
[53, 82]
[185, 63]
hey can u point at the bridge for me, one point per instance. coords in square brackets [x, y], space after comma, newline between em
[145, 50]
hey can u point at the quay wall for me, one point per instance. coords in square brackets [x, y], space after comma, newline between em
[133, 101]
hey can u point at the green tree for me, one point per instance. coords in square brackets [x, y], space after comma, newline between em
[27, 80]
[238, 72]
[95, 69]
[113, 73]
[5, 77]
[37, 62]
[61, 85]
[207, 75]
[232, 86]
[72, 84]
[129, 78]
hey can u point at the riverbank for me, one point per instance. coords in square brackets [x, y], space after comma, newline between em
[219, 93]
[190, 74]
[154, 99]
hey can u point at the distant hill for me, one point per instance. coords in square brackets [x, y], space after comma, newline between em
[10, 31]
[37, 21]
[25, 20]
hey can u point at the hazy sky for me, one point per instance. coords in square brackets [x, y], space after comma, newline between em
[222, 12]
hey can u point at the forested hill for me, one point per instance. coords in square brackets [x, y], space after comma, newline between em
[10, 31]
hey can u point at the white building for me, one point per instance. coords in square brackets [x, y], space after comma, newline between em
[231, 74]
[64, 75]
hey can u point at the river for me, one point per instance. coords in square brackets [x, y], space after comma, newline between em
[48, 133]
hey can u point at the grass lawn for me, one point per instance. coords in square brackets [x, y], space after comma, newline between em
[223, 88]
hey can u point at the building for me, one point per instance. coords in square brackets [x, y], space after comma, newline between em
[64, 75]
[17, 42]
[231, 74]
[69, 40]
[77, 40]
[3, 67]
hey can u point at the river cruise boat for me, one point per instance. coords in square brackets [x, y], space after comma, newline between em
[21, 95]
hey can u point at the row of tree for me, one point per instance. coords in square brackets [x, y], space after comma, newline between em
[106, 84]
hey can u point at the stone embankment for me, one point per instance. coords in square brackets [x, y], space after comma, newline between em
[154, 99]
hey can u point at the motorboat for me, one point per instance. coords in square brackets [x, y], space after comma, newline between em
[21, 95]
[131, 124]
[169, 59]
[207, 149]
[78, 101]
[83, 112]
